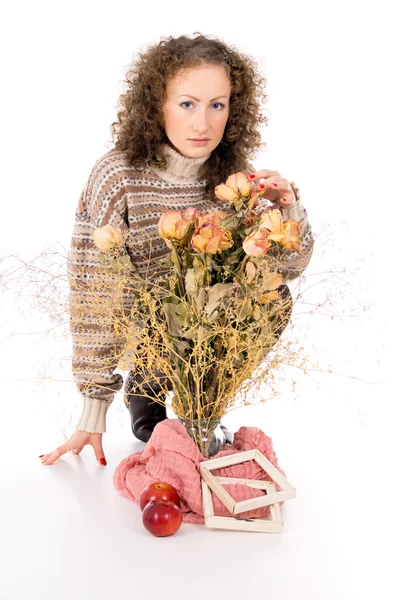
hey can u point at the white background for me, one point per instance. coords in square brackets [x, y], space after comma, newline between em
[332, 110]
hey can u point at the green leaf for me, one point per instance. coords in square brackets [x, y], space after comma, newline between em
[230, 222]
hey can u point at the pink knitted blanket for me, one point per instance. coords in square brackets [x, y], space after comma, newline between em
[172, 456]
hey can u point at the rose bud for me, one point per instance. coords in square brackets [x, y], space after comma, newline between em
[211, 218]
[256, 243]
[291, 240]
[107, 237]
[272, 220]
[286, 234]
[174, 224]
[211, 239]
[223, 192]
[240, 184]
[190, 214]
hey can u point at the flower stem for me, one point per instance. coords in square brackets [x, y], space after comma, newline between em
[242, 266]
[214, 378]
[176, 262]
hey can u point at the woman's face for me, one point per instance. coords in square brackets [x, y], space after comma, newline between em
[197, 106]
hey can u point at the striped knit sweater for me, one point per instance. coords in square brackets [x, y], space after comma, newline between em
[118, 194]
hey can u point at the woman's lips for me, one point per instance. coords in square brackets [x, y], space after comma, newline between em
[199, 142]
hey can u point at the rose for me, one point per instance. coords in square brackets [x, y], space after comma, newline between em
[211, 239]
[108, 237]
[256, 243]
[240, 184]
[236, 185]
[175, 224]
[223, 192]
[215, 217]
[284, 233]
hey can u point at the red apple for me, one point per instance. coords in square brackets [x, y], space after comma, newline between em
[159, 490]
[162, 518]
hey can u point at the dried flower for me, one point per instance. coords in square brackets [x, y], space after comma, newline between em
[175, 224]
[256, 243]
[223, 192]
[211, 218]
[107, 238]
[286, 234]
[211, 239]
[240, 184]
[236, 185]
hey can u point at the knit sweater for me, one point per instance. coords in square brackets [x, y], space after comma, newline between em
[116, 193]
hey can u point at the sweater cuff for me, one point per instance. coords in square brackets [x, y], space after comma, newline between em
[93, 418]
[296, 212]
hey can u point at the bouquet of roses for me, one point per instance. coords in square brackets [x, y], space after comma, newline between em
[218, 307]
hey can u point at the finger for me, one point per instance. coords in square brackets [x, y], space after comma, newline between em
[271, 189]
[99, 451]
[50, 458]
[275, 182]
[277, 189]
[77, 450]
[287, 202]
[263, 174]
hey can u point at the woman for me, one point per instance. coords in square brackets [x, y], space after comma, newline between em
[189, 118]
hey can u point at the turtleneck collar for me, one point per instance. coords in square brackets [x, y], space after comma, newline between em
[180, 169]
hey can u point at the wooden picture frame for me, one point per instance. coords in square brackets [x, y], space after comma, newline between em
[272, 498]
[272, 525]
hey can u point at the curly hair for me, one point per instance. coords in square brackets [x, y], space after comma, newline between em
[139, 130]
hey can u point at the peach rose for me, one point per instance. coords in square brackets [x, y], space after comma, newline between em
[256, 243]
[236, 185]
[286, 234]
[213, 217]
[212, 239]
[174, 224]
[240, 184]
[224, 192]
[107, 237]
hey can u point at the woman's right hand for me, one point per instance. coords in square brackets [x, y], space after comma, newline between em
[75, 444]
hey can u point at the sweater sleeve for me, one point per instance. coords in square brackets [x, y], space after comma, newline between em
[294, 263]
[96, 347]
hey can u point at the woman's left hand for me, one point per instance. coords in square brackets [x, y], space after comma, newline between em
[277, 189]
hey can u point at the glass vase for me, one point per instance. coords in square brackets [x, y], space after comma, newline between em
[207, 435]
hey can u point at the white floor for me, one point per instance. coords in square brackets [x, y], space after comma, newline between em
[66, 533]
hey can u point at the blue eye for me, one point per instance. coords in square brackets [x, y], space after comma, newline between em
[214, 104]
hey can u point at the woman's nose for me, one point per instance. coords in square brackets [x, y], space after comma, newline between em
[200, 123]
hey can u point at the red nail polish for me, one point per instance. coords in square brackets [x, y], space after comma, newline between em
[41, 455]
[261, 186]
[275, 184]
[251, 176]
[102, 461]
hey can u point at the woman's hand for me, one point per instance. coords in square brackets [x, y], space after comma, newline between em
[277, 189]
[75, 444]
